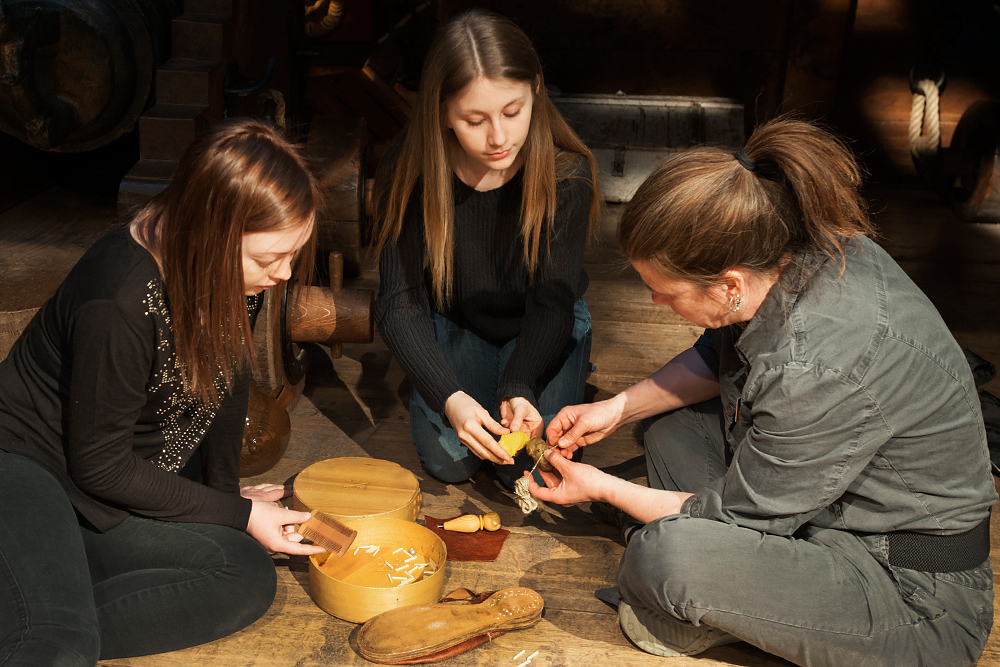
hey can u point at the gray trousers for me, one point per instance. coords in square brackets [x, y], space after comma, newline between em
[818, 598]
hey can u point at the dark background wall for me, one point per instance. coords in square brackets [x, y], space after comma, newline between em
[845, 62]
[842, 61]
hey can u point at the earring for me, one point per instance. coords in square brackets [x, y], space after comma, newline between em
[735, 303]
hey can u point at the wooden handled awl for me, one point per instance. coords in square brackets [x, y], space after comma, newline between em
[470, 523]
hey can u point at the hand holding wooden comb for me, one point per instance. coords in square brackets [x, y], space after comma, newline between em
[271, 524]
[328, 533]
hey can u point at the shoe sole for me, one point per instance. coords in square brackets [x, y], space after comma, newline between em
[668, 637]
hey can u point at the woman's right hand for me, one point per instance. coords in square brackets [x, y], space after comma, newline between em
[569, 483]
[274, 527]
[579, 425]
[471, 422]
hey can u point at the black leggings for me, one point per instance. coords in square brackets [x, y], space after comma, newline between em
[71, 596]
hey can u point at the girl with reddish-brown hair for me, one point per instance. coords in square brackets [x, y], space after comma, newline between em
[819, 481]
[484, 207]
[134, 384]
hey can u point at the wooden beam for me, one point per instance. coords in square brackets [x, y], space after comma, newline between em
[818, 30]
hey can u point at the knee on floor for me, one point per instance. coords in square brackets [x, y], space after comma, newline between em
[453, 472]
[670, 554]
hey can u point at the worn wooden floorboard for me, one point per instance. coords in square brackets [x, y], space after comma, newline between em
[358, 406]
[41, 239]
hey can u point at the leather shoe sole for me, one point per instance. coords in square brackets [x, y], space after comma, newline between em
[431, 632]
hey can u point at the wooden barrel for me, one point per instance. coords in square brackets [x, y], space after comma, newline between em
[291, 315]
[974, 164]
[267, 431]
[78, 73]
[355, 488]
[321, 315]
[340, 147]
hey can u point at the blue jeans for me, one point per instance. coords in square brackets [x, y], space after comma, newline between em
[478, 366]
[70, 596]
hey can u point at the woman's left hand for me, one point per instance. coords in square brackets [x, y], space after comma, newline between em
[570, 483]
[518, 414]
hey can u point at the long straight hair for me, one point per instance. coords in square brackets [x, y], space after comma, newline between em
[702, 212]
[240, 177]
[475, 44]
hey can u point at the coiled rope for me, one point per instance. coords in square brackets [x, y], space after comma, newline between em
[279, 105]
[925, 121]
[318, 27]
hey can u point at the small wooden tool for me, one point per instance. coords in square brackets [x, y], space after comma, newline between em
[470, 523]
[328, 533]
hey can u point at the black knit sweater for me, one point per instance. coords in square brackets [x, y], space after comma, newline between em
[92, 394]
[492, 295]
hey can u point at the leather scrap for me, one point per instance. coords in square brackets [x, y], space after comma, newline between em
[482, 545]
[426, 633]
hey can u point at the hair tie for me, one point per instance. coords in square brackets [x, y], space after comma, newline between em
[745, 160]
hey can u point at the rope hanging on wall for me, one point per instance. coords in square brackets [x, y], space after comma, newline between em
[279, 105]
[331, 19]
[925, 121]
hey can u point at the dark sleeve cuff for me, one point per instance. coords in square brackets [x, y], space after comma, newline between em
[517, 389]
[241, 515]
[706, 350]
[435, 399]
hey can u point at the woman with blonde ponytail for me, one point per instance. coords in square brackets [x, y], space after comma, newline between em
[484, 207]
[819, 481]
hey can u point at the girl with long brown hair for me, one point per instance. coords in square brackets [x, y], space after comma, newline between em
[484, 206]
[819, 481]
[133, 384]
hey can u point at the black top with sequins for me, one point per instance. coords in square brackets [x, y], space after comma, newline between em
[92, 393]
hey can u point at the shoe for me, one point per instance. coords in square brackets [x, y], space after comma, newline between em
[665, 635]
[432, 632]
[620, 519]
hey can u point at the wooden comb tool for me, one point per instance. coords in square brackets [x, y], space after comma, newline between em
[328, 533]
[470, 523]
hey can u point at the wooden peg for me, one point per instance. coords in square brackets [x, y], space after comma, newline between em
[331, 315]
[336, 260]
[470, 523]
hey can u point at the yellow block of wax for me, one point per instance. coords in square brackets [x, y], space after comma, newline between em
[514, 442]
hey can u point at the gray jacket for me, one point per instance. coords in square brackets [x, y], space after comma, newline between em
[849, 405]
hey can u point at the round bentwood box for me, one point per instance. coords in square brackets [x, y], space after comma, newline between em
[354, 488]
[392, 563]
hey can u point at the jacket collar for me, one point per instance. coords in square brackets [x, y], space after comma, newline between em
[774, 312]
